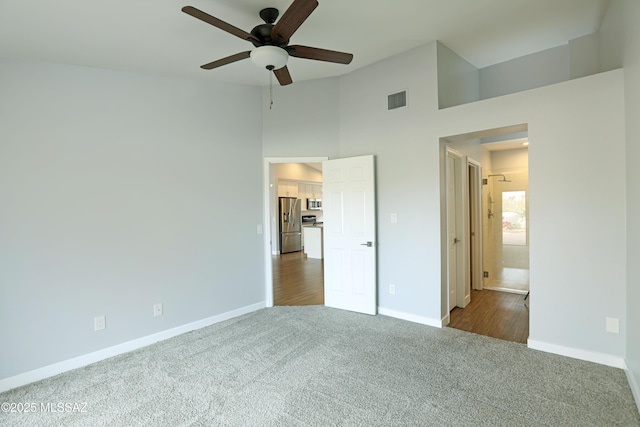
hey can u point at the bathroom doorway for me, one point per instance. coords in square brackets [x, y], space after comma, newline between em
[506, 222]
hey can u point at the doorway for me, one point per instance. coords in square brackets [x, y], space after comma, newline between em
[350, 241]
[506, 191]
[288, 271]
[493, 232]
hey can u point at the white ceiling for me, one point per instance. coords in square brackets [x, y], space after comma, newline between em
[154, 36]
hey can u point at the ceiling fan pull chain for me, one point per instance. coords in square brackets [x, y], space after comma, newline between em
[270, 89]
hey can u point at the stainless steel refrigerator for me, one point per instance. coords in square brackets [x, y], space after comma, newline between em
[290, 225]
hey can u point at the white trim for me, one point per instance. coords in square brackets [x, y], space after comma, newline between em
[410, 317]
[476, 245]
[266, 232]
[509, 290]
[633, 384]
[576, 353]
[87, 359]
[446, 320]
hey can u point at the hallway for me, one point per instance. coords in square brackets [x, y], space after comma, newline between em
[297, 280]
[495, 314]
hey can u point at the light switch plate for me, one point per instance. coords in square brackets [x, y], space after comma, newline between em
[99, 323]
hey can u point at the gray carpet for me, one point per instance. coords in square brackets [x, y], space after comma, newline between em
[316, 366]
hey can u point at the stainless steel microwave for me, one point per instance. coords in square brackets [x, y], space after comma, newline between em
[314, 204]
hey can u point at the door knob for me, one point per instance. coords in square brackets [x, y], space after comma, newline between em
[368, 244]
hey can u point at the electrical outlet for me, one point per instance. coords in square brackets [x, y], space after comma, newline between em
[157, 310]
[485, 274]
[99, 323]
[612, 325]
[259, 228]
[394, 218]
[392, 289]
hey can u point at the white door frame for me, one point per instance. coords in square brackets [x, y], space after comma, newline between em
[270, 191]
[475, 209]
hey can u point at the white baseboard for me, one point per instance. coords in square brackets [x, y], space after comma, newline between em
[589, 356]
[446, 320]
[633, 384]
[87, 359]
[410, 317]
[509, 290]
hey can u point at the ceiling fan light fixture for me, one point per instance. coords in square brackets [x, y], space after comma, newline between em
[270, 57]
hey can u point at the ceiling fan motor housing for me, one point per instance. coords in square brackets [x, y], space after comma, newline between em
[262, 32]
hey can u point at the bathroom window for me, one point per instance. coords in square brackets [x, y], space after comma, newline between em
[514, 218]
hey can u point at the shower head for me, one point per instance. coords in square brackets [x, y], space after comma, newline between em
[504, 178]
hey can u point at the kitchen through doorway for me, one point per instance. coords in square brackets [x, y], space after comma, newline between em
[295, 271]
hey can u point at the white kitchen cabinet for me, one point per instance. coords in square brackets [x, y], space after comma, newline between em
[287, 189]
[314, 191]
[302, 195]
[313, 242]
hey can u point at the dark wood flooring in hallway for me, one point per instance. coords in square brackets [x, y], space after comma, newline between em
[495, 314]
[297, 279]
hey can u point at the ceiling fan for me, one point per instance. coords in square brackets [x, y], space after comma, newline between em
[271, 40]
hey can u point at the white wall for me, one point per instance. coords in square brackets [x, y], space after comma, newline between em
[303, 121]
[628, 13]
[536, 70]
[458, 80]
[115, 191]
[474, 150]
[509, 159]
[584, 56]
[297, 172]
[612, 35]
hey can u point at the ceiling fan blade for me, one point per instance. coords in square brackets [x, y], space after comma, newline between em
[283, 76]
[292, 18]
[319, 54]
[197, 13]
[227, 60]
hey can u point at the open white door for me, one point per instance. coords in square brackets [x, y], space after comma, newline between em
[457, 229]
[350, 234]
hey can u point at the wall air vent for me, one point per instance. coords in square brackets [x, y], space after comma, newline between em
[397, 100]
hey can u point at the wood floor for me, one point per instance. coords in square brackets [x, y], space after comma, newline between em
[297, 280]
[495, 314]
